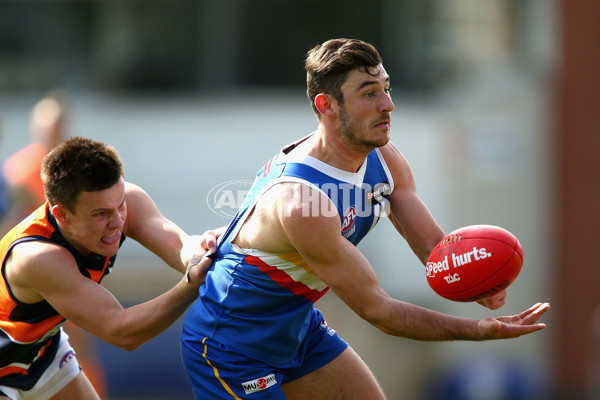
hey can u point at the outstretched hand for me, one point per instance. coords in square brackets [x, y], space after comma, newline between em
[513, 326]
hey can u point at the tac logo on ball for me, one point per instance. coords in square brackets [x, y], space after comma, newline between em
[474, 262]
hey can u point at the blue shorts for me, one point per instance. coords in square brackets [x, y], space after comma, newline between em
[221, 373]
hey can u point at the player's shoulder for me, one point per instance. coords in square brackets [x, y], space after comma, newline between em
[390, 152]
[297, 200]
[135, 195]
[131, 187]
[140, 208]
[28, 257]
[41, 249]
[38, 265]
[301, 213]
[396, 162]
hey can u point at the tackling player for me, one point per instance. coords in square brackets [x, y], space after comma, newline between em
[54, 260]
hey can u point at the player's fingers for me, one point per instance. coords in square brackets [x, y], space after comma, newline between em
[513, 331]
[494, 302]
[527, 317]
[534, 313]
[530, 310]
[202, 266]
[209, 241]
[198, 268]
[491, 328]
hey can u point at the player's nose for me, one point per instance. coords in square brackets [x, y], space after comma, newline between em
[387, 104]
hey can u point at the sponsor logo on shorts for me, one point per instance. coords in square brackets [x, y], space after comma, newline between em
[323, 325]
[259, 384]
[65, 359]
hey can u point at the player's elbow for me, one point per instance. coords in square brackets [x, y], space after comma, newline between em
[128, 345]
[383, 329]
[378, 316]
[373, 316]
[123, 332]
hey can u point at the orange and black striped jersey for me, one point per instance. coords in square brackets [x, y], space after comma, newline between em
[27, 331]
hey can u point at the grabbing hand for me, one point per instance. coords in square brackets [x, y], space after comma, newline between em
[194, 277]
[199, 245]
[208, 240]
[512, 326]
[197, 268]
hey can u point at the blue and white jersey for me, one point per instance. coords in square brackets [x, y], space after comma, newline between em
[261, 303]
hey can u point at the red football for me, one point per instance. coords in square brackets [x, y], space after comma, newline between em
[474, 262]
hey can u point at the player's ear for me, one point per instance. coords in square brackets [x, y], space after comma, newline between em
[59, 213]
[323, 104]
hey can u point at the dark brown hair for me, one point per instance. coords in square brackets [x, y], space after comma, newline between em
[79, 164]
[327, 66]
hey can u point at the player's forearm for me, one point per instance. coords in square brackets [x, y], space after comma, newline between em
[138, 324]
[418, 323]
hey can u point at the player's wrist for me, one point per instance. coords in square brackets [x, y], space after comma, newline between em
[186, 290]
[486, 328]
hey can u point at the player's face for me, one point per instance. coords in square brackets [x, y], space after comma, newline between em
[364, 116]
[96, 225]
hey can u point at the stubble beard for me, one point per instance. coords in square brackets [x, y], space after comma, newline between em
[349, 133]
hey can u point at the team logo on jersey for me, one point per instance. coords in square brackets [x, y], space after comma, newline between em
[259, 384]
[267, 168]
[348, 226]
[65, 359]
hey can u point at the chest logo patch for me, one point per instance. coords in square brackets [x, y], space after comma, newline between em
[348, 226]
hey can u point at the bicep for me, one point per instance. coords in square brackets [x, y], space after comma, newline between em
[408, 213]
[146, 225]
[77, 298]
[337, 262]
[413, 220]
[351, 277]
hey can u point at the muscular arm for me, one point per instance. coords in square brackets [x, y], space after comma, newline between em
[343, 267]
[38, 271]
[408, 213]
[412, 219]
[150, 228]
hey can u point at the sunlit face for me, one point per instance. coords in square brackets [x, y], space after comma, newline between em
[96, 225]
[364, 116]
